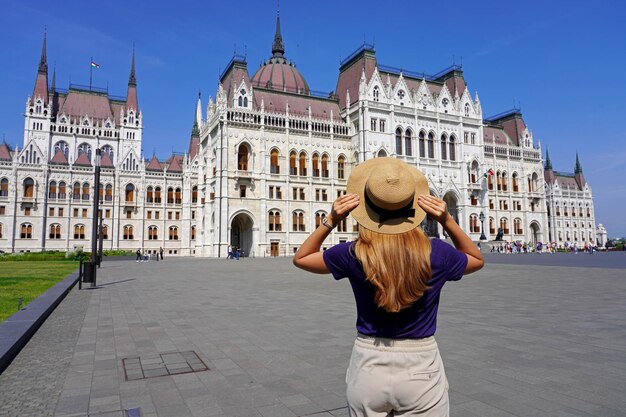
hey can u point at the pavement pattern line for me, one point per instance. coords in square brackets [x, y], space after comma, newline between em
[517, 340]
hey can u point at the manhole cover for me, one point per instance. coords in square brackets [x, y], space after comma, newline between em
[172, 363]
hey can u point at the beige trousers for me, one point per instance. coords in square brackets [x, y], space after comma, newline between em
[396, 377]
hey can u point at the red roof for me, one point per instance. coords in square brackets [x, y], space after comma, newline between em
[175, 162]
[194, 147]
[154, 164]
[496, 136]
[274, 101]
[59, 158]
[350, 76]
[5, 152]
[279, 74]
[83, 103]
[83, 160]
[105, 161]
[514, 128]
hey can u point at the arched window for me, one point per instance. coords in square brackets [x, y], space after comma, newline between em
[130, 193]
[302, 164]
[408, 143]
[381, 154]
[193, 231]
[452, 153]
[1, 231]
[85, 191]
[150, 195]
[173, 233]
[474, 172]
[107, 149]
[63, 147]
[467, 109]
[86, 149]
[179, 196]
[105, 231]
[298, 221]
[293, 170]
[422, 144]
[79, 231]
[4, 187]
[492, 226]
[274, 224]
[242, 158]
[108, 193]
[444, 147]
[318, 218]
[194, 194]
[474, 224]
[325, 172]
[52, 190]
[29, 188]
[55, 231]
[341, 163]
[62, 194]
[431, 145]
[376, 93]
[76, 191]
[514, 180]
[517, 226]
[274, 167]
[504, 181]
[504, 225]
[157, 195]
[128, 233]
[153, 233]
[26, 231]
[243, 98]
[170, 195]
[100, 192]
[399, 141]
[316, 165]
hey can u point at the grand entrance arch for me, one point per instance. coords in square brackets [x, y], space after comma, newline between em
[535, 233]
[241, 233]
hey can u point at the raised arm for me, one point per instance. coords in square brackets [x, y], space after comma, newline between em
[438, 210]
[308, 256]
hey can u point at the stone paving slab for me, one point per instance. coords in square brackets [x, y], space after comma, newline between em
[517, 340]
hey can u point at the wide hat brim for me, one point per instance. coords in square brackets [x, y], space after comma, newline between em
[366, 216]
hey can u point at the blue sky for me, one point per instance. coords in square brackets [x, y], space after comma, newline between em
[561, 61]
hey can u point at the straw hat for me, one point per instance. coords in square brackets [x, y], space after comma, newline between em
[388, 189]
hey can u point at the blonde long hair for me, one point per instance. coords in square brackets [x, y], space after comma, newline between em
[397, 264]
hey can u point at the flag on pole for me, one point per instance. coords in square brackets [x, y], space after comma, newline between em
[489, 173]
[94, 65]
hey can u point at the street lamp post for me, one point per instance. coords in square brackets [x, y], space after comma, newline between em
[94, 222]
[481, 217]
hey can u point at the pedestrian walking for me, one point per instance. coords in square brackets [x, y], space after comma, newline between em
[230, 252]
[160, 252]
[138, 257]
[238, 252]
[396, 274]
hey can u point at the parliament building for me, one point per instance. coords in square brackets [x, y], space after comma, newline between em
[267, 158]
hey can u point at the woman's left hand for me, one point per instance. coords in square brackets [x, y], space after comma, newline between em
[342, 206]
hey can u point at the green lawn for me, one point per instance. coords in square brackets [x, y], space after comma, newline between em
[28, 280]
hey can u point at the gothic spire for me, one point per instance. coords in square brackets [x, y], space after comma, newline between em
[131, 79]
[579, 168]
[548, 165]
[278, 48]
[43, 62]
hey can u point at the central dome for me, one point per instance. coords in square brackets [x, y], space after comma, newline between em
[278, 73]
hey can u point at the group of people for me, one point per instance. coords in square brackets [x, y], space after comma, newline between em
[142, 256]
[234, 252]
[540, 247]
[397, 274]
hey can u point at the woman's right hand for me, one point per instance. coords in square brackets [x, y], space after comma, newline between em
[434, 207]
[342, 206]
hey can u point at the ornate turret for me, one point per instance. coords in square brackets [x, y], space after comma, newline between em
[194, 142]
[548, 164]
[548, 173]
[41, 82]
[131, 97]
[278, 48]
[578, 173]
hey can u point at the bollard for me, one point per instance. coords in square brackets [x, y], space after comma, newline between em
[19, 303]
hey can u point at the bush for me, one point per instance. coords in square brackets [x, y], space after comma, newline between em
[118, 252]
[77, 255]
[33, 256]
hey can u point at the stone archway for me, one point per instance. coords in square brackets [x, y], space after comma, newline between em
[452, 202]
[429, 225]
[535, 233]
[241, 233]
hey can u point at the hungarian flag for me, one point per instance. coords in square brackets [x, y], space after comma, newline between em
[489, 173]
[94, 65]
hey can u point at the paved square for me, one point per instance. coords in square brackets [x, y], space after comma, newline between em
[517, 340]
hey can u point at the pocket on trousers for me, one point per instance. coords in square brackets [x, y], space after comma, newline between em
[424, 375]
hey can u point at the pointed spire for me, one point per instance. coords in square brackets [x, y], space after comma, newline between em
[579, 168]
[548, 165]
[131, 79]
[278, 48]
[43, 62]
[199, 110]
